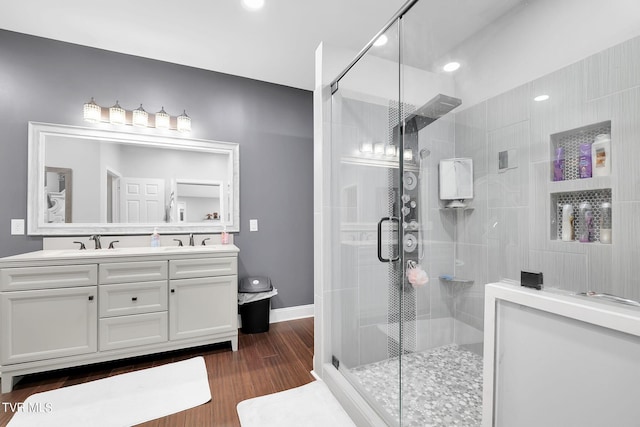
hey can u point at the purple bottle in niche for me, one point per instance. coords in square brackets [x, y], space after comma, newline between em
[584, 161]
[558, 165]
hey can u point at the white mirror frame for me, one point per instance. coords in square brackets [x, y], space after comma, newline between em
[38, 133]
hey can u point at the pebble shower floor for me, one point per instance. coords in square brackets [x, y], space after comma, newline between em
[441, 387]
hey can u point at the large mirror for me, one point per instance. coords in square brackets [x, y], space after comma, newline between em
[94, 180]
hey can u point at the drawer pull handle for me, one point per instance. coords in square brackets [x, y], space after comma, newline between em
[90, 297]
[134, 299]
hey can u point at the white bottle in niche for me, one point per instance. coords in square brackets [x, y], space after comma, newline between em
[605, 223]
[601, 155]
[567, 223]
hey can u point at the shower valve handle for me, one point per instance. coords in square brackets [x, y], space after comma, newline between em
[382, 220]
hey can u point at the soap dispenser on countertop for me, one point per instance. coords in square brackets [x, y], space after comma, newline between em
[155, 238]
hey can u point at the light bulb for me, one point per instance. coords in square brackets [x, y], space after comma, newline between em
[140, 117]
[92, 112]
[451, 66]
[163, 119]
[117, 114]
[184, 122]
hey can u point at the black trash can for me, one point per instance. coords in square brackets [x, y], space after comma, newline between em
[255, 314]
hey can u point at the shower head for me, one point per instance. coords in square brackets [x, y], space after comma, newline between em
[437, 107]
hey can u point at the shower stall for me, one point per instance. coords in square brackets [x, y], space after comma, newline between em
[400, 273]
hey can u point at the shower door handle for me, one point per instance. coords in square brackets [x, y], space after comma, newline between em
[382, 220]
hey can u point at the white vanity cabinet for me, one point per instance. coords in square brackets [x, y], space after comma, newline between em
[193, 284]
[60, 309]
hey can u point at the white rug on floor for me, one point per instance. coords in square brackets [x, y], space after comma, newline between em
[311, 405]
[121, 400]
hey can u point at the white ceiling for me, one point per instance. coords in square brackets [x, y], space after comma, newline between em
[276, 44]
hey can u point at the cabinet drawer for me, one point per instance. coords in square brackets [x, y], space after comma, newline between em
[132, 298]
[202, 267]
[132, 331]
[49, 277]
[124, 272]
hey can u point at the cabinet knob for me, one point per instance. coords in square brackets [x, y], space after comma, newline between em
[173, 291]
[134, 299]
[90, 297]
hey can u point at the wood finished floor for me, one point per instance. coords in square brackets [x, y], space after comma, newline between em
[264, 363]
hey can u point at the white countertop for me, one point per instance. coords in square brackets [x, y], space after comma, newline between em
[94, 254]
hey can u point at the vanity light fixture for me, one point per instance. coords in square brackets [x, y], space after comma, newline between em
[117, 115]
[163, 120]
[378, 148]
[140, 117]
[540, 98]
[183, 122]
[451, 67]
[92, 112]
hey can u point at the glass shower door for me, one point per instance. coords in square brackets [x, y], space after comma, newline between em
[366, 222]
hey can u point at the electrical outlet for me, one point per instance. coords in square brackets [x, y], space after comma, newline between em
[17, 227]
[253, 225]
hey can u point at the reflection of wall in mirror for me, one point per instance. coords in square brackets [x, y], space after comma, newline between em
[201, 200]
[92, 160]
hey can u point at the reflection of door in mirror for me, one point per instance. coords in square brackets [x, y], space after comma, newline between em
[58, 189]
[199, 201]
[142, 200]
[113, 195]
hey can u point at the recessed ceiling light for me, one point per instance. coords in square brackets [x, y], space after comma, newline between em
[541, 98]
[451, 66]
[253, 4]
[381, 41]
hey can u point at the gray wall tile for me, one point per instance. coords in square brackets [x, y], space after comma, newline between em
[509, 108]
[613, 70]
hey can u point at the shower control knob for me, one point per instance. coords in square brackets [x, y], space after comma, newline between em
[413, 204]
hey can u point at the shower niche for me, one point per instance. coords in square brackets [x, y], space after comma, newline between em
[574, 184]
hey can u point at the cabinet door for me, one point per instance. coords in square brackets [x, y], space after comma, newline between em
[203, 306]
[48, 323]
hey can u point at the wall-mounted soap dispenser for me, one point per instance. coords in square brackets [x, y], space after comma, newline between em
[456, 181]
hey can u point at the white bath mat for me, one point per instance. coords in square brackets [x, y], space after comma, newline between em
[121, 400]
[311, 405]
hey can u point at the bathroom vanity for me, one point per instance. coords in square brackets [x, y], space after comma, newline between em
[64, 308]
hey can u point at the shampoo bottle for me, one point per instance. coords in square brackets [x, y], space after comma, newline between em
[605, 223]
[567, 223]
[585, 226]
[584, 161]
[155, 238]
[558, 165]
[601, 155]
[224, 237]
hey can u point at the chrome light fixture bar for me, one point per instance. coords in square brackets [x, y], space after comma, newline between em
[116, 115]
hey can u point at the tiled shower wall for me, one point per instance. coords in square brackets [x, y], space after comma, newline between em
[509, 229]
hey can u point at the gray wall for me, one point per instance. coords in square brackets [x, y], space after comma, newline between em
[49, 81]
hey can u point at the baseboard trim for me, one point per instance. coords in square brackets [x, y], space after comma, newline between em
[290, 313]
[277, 315]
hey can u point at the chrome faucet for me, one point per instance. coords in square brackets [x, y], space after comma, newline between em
[96, 238]
[191, 242]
